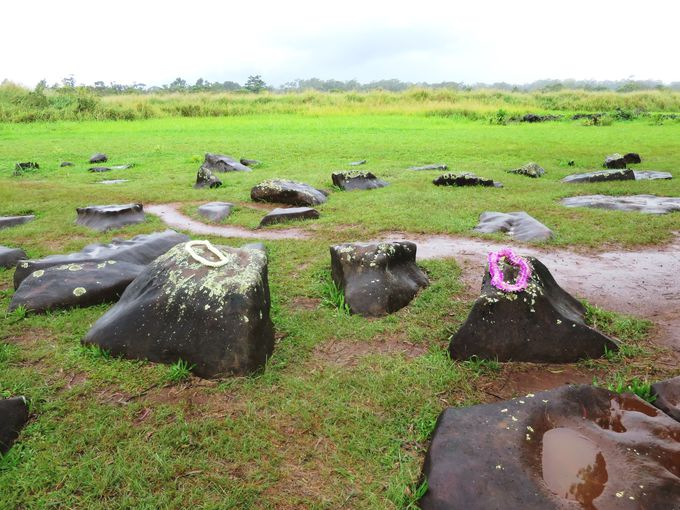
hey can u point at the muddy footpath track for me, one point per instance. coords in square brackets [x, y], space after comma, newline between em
[643, 282]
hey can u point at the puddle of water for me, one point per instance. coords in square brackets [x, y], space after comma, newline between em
[619, 406]
[573, 467]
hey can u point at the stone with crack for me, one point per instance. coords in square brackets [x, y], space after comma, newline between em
[206, 305]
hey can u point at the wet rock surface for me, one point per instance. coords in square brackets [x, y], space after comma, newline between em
[221, 163]
[109, 217]
[280, 215]
[113, 181]
[572, 447]
[10, 256]
[13, 221]
[601, 176]
[215, 211]
[141, 250]
[530, 170]
[541, 324]
[350, 181]
[99, 158]
[519, 225]
[377, 278]
[650, 175]
[465, 179]
[74, 285]
[441, 167]
[206, 179]
[13, 417]
[287, 192]
[614, 161]
[215, 318]
[667, 395]
[649, 204]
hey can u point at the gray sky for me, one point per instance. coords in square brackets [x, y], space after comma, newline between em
[513, 41]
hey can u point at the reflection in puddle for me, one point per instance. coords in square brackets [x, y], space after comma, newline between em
[573, 466]
[618, 406]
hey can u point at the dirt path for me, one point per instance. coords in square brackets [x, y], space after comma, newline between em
[644, 282]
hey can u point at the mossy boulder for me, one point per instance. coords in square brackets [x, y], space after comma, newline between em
[530, 170]
[354, 180]
[283, 191]
[465, 179]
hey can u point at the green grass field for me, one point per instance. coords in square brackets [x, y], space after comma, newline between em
[341, 417]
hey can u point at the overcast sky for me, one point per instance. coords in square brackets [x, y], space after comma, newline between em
[515, 41]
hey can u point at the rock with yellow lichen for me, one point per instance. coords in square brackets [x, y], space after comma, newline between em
[207, 308]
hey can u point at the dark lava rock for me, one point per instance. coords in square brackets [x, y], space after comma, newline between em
[667, 395]
[591, 116]
[280, 215]
[99, 158]
[22, 168]
[70, 285]
[66, 163]
[10, 256]
[215, 211]
[532, 117]
[649, 175]
[649, 204]
[141, 250]
[215, 318]
[350, 181]
[249, 162]
[13, 221]
[357, 163]
[430, 167]
[602, 176]
[206, 179]
[287, 192]
[518, 225]
[221, 163]
[108, 217]
[632, 158]
[530, 170]
[465, 179]
[542, 324]
[572, 447]
[99, 169]
[615, 161]
[571, 162]
[377, 278]
[13, 417]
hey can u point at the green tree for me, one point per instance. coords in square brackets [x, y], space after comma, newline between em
[255, 84]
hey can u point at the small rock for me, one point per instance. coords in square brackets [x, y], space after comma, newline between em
[221, 163]
[530, 170]
[441, 167]
[287, 192]
[249, 162]
[206, 179]
[465, 179]
[357, 163]
[615, 161]
[649, 175]
[350, 181]
[13, 417]
[601, 176]
[22, 168]
[532, 117]
[541, 324]
[99, 158]
[518, 225]
[215, 211]
[632, 158]
[186, 306]
[66, 163]
[13, 221]
[377, 278]
[280, 215]
[99, 169]
[113, 181]
[122, 167]
[10, 256]
[108, 217]
[649, 204]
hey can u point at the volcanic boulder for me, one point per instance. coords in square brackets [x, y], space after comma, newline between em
[530, 170]
[377, 278]
[632, 158]
[287, 192]
[215, 211]
[615, 161]
[140, 250]
[71, 285]
[572, 447]
[465, 179]
[542, 324]
[206, 305]
[280, 215]
[249, 162]
[206, 179]
[109, 217]
[649, 204]
[13, 221]
[602, 176]
[99, 158]
[667, 395]
[350, 181]
[13, 417]
[650, 175]
[222, 163]
[65, 163]
[10, 256]
[518, 225]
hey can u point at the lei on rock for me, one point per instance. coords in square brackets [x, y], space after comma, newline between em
[497, 277]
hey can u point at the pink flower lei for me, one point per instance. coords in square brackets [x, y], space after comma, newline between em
[497, 277]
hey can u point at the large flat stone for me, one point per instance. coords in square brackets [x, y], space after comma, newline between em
[667, 395]
[649, 204]
[10, 256]
[282, 214]
[215, 211]
[651, 175]
[350, 181]
[601, 176]
[283, 191]
[109, 217]
[465, 179]
[13, 221]
[223, 163]
[518, 225]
